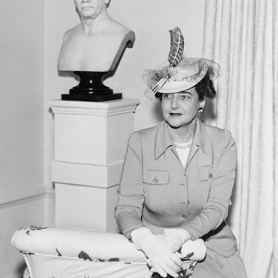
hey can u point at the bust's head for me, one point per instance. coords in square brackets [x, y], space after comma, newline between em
[90, 9]
[103, 39]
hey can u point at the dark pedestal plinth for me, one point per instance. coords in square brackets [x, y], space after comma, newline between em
[91, 88]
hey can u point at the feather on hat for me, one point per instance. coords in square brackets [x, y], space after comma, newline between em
[179, 73]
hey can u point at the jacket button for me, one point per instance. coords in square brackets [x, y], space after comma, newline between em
[184, 216]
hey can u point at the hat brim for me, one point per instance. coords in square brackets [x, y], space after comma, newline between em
[171, 87]
[187, 74]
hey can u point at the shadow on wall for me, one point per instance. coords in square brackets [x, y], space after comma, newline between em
[20, 270]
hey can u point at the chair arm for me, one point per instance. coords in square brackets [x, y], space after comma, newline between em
[87, 245]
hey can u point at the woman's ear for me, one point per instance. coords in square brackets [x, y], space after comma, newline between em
[201, 105]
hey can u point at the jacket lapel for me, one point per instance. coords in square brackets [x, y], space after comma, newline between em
[162, 141]
[201, 141]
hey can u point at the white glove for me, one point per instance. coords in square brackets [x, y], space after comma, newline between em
[176, 238]
[162, 259]
[195, 249]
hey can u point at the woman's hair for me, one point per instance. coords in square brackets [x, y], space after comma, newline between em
[204, 88]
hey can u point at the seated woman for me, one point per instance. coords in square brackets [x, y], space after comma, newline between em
[178, 176]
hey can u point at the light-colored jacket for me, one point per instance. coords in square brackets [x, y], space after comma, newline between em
[156, 191]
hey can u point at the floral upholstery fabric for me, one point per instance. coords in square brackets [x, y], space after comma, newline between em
[60, 253]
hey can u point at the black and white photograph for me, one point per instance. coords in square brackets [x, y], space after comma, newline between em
[139, 139]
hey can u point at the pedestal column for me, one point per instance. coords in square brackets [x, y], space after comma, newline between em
[89, 149]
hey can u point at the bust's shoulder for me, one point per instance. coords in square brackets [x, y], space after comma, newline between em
[73, 32]
[116, 28]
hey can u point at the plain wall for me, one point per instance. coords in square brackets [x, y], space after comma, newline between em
[22, 96]
[22, 189]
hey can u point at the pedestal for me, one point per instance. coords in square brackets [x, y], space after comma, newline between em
[90, 145]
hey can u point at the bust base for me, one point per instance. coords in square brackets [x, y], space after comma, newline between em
[91, 97]
[91, 88]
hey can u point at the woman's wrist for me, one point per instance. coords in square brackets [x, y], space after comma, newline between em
[176, 238]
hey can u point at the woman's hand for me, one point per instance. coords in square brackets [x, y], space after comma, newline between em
[161, 258]
[176, 238]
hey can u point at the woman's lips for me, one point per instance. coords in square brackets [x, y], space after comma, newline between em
[175, 114]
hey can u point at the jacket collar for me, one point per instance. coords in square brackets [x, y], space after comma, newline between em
[201, 139]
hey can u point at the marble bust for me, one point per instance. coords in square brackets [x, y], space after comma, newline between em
[97, 43]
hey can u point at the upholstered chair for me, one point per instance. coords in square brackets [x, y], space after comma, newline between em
[61, 253]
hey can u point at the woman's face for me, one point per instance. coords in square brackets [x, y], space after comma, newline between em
[90, 8]
[180, 109]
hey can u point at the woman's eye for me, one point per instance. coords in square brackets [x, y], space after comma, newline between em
[185, 97]
[166, 96]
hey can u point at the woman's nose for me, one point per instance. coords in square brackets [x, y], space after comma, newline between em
[174, 103]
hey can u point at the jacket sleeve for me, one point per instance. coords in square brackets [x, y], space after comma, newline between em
[223, 173]
[131, 195]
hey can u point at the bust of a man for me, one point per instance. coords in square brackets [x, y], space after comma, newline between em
[97, 43]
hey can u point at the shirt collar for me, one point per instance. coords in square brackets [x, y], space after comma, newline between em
[163, 139]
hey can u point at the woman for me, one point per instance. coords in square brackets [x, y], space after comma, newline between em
[178, 177]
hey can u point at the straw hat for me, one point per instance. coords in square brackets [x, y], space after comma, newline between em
[178, 73]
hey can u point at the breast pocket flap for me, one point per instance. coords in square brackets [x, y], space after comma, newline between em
[156, 177]
[206, 173]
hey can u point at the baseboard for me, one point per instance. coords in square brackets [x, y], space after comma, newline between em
[13, 197]
[27, 207]
[11, 275]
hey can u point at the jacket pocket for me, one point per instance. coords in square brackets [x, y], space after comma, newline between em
[207, 173]
[204, 173]
[156, 177]
[217, 172]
